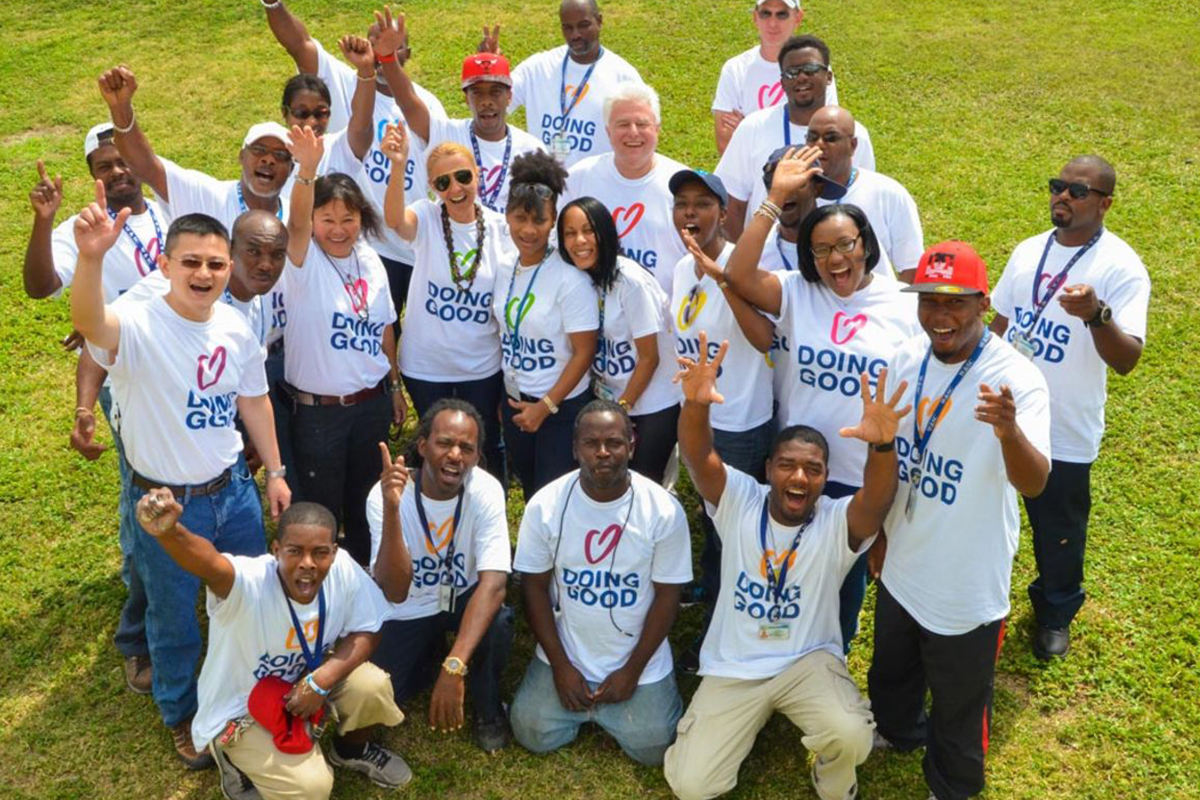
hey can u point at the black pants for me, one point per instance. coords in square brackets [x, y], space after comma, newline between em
[281, 407]
[1059, 518]
[412, 651]
[958, 671]
[540, 457]
[656, 435]
[399, 274]
[486, 395]
[337, 461]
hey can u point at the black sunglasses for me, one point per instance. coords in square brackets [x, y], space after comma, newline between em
[316, 113]
[1076, 189]
[811, 68]
[463, 176]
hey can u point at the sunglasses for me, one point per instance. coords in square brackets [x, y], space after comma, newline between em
[258, 151]
[193, 263]
[811, 68]
[1076, 189]
[843, 246]
[316, 113]
[462, 176]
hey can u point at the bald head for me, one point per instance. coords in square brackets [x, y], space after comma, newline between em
[831, 128]
[259, 248]
[836, 116]
[581, 21]
[1104, 176]
[586, 6]
[257, 223]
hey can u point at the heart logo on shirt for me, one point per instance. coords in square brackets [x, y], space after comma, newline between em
[925, 408]
[153, 249]
[524, 312]
[630, 215]
[777, 560]
[844, 327]
[488, 178]
[439, 537]
[569, 91]
[210, 367]
[605, 542]
[690, 308]
[358, 294]
[769, 94]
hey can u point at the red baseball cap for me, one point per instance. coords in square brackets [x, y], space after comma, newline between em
[268, 706]
[479, 67]
[950, 267]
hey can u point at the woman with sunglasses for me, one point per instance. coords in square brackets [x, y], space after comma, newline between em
[548, 320]
[835, 318]
[450, 343]
[340, 353]
[635, 355]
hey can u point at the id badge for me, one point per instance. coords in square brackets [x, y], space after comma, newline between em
[446, 598]
[511, 387]
[601, 389]
[1024, 345]
[776, 631]
[560, 146]
[914, 489]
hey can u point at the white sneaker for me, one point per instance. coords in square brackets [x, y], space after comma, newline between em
[879, 742]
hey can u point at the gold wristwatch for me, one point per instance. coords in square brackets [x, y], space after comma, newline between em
[455, 666]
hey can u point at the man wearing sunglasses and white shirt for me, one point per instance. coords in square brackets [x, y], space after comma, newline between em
[805, 75]
[1074, 300]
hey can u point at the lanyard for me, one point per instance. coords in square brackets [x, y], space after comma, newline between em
[775, 584]
[921, 440]
[779, 245]
[244, 208]
[516, 329]
[787, 127]
[579, 90]
[312, 658]
[1040, 303]
[489, 198]
[601, 347]
[448, 561]
[133, 237]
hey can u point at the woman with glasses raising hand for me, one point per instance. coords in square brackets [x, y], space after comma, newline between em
[549, 318]
[835, 318]
[450, 346]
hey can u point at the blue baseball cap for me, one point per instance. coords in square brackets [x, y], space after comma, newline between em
[830, 189]
[714, 184]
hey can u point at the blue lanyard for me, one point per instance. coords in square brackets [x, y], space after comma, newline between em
[516, 329]
[145, 251]
[448, 561]
[779, 244]
[787, 127]
[775, 585]
[312, 658]
[244, 208]
[562, 87]
[1040, 303]
[492, 196]
[920, 441]
[602, 348]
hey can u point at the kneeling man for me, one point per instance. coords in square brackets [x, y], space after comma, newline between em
[775, 643]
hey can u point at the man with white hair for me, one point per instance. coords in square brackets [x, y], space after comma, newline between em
[632, 181]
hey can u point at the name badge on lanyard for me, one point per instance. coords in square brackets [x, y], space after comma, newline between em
[600, 385]
[774, 627]
[560, 144]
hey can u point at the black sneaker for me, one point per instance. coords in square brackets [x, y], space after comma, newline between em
[382, 766]
[492, 735]
[692, 594]
[234, 783]
[688, 662]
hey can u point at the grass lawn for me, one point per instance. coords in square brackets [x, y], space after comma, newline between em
[971, 105]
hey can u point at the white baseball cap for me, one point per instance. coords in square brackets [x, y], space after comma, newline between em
[262, 130]
[788, 3]
[98, 135]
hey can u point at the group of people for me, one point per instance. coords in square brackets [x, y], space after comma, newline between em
[566, 306]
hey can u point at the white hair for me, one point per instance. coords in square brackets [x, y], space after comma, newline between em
[636, 92]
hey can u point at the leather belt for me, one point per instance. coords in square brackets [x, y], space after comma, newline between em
[309, 399]
[193, 490]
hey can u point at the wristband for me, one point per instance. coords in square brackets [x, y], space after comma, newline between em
[388, 59]
[550, 404]
[312, 684]
[370, 77]
[885, 447]
[276, 4]
[81, 410]
[300, 179]
[277, 473]
[129, 127]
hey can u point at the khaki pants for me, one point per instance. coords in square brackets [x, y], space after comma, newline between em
[362, 700]
[816, 693]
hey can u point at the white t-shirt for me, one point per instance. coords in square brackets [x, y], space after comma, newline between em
[127, 261]
[251, 635]
[336, 157]
[539, 86]
[605, 558]
[255, 311]
[483, 545]
[745, 375]
[636, 306]
[892, 213]
[950, 566]
[492, 166]
[734, 646]
[1065, 353]
[641, 208]
[335, 351]
[193, 192]
[342, 81]
[749, 82]
[450, 334]
[825, 343]
[560, 301]
[175, 385]
[759, 135]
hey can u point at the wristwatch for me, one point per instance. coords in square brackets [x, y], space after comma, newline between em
[455, 666]
[1102, 318]
[883, 447]
[277, 473]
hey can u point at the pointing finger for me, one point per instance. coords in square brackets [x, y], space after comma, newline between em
[386, 455]
[42, 170]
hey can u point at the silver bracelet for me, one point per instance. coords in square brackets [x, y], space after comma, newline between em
[276, 4]
[129, 127]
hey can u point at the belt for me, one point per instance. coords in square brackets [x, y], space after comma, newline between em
[194, 490]
[309, 399]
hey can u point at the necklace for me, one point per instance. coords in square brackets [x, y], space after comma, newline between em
[456, 273]
[354, 288]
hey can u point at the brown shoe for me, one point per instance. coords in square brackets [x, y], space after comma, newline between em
[186, 749]
[138, 674]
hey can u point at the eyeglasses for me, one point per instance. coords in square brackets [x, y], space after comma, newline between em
[1076, 189]
[258, 151]
[843, 246]
[191, 262]
[811, 68]
[539, 190]
[316, 113]
[462, 176]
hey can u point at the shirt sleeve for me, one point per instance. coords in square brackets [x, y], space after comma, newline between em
[132, 324]
[520, 76]
[740, 492]
[726, 98]
[64, 252]
[341, 157]
[493, 551]
[1033, 407]
[908, 239]
[534, 553]
[247, 578]
[864, 154]
[367, 606]
[580, 308]
[639, 305]
[192, 191]
[672, 548]
[732, 169]
[1002, 292]
[254, 372]
[1129, 298]
[375, 522]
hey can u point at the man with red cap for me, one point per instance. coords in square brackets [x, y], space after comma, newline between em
[980, 434]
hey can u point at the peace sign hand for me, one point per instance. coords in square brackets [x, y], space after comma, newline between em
[47, 195]
[491, 40]
[880, 419]
[392, 478]
[95, 230]
[395, 143]
[699, 378]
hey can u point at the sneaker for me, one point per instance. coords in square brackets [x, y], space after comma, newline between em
[138, 674]
[688, 662]
[234, 783]
[382, 766]
[492, 735]
[693, 594]
[185, 748]
[850, 795]
[880, 742]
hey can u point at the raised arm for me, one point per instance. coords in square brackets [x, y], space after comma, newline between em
[158, 512]
[360, 130]
[756, 328]
[724, 124]
[95, 233]
[699, 383]
[391, 37]
[400, 219]
[393, 564]
[880, 421]
[290, 32]
[117, 86]
[306, 148]
[40, 278]
[1026, 467]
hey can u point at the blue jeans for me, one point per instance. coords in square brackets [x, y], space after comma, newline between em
[644, 725]
[854, 588]
[232, 519]
[130, 638]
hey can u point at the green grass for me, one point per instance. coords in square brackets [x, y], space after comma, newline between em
[971, 105]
